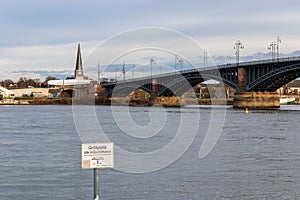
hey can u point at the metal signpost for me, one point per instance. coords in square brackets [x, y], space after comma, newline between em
[96, 156]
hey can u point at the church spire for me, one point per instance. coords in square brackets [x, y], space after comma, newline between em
[78, 69]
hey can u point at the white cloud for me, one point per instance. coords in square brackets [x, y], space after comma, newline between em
[39, 35]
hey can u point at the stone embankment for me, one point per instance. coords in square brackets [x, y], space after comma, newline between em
[162, 101]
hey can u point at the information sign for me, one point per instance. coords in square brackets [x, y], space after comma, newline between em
[97, 155]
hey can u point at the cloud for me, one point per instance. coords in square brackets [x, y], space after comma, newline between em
[42, 35]
[31, 22]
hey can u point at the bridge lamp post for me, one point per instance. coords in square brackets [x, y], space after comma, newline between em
[98, 71]
[123, 71]
[180, 61]
[272, 47]
[160, 69]
[176, 60]
[133, 66]
[151, 63]
[205, 57]
[278, 41]
[238, 46]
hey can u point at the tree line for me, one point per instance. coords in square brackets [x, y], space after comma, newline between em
[25, 82]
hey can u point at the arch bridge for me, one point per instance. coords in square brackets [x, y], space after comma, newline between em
[256, 76]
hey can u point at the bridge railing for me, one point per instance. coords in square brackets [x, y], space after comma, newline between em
[296, 58]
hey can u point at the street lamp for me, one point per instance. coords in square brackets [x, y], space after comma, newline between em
[238, 46]
[180, 61]
[133, 66]
[123, 70]
[205, 57]
[278, 41]
[151, 62]
[176, 60]
[98, 71]
[272, 47]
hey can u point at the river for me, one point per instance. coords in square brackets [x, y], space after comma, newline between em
[256, 155]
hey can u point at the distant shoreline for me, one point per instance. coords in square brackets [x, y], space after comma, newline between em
[130, 102]
[69, 101]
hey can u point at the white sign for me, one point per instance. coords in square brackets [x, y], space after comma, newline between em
[97, 155]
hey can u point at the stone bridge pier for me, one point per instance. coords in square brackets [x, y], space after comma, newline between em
[253, 100]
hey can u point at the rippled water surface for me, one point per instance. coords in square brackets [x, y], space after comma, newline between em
[256, 157]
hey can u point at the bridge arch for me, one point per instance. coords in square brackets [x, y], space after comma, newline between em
[179, 86]
[124, 90]
[263, 75]
[275, 79]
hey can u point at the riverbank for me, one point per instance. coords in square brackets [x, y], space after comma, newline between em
[162, 101]
[33, 101]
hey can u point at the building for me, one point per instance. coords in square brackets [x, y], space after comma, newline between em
[292, 87]
[68, 86]
[78, 80]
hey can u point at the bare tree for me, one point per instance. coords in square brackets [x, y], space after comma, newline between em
[7, 83]
[49, 78]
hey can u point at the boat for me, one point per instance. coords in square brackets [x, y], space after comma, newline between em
[287, 100]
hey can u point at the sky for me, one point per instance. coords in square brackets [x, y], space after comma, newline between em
[40, 37]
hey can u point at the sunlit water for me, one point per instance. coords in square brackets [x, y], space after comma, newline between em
[256, 157]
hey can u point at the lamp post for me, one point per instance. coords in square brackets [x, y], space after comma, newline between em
[272, 48]
[123, 70]
[98, 72]
[238, 46]
[278, 41]
[151, 63]
[133, 66]
[205, 58]
[180, 61]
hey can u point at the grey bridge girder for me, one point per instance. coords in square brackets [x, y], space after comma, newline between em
[265, 75]
[174, 85]
[271, 81]
[180, 86]
[126, 89]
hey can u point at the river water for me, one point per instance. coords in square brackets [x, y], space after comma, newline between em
[257, 155]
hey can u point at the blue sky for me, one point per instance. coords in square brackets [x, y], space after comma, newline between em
[41, 35]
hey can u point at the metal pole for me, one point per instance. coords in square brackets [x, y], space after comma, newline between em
[278, 41]
[96, 184]
[123, 71]
[98, 71]
[204, 58]
[272, 47]
[238, 45]
[180, 63]
[151, 62]
[151, 69]
[133, 66]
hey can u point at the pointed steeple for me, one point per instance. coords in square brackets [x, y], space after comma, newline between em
[78, 69]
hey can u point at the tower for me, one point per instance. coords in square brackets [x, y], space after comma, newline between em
[79, 69]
